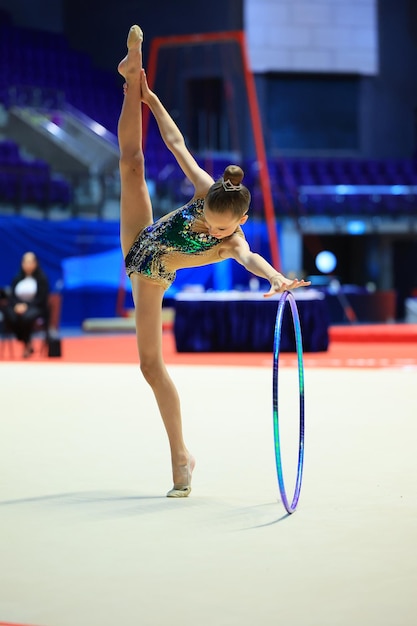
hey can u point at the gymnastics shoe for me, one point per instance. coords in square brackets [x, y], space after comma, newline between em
[183, 491]
[130, 68]
[135, 36]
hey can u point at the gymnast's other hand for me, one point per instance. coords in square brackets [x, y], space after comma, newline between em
[280, 283]
[146, 93]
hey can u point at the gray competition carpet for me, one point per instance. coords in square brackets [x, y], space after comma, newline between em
[88, 538]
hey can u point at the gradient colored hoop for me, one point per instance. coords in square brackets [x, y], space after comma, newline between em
[288, 297]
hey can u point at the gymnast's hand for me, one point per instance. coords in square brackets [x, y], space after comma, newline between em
[279, 284]
[146, 93]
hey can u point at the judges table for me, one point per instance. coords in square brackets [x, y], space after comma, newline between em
[236, 321]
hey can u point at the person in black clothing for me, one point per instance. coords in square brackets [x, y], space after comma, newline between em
[27, 300]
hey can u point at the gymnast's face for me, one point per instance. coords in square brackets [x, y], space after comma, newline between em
[222, 225]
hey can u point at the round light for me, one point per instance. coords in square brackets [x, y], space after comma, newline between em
[326, 261]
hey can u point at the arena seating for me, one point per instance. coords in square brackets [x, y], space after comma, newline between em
[353, 187]
[44, 61]
[41, 67]
[24, 181]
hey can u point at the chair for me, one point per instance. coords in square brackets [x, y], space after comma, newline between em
[48, 325]
[45, 326]
[6, 334]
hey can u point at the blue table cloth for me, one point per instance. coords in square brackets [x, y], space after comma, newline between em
[245, 322]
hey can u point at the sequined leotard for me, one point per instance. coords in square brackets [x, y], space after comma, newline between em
[178, 240]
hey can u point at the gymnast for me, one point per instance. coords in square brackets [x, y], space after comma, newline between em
[204, 231]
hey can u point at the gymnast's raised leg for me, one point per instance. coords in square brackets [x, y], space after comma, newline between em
[136, 214]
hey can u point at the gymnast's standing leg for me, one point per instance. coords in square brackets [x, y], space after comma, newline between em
[136, 214]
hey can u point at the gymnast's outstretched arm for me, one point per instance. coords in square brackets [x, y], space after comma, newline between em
[175, 142]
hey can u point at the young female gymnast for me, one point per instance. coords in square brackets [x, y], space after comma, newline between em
[206, 230]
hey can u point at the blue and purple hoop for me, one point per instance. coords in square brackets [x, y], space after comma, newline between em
[288, 297]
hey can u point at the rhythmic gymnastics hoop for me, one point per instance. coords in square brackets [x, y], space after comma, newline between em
[288, 297]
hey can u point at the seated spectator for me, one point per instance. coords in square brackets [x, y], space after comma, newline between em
[27, 301]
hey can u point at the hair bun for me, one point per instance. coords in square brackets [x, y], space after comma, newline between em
[234, 173]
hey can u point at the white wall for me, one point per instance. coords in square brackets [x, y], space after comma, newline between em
[312, 35]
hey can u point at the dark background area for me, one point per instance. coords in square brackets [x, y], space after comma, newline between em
[303, 114]
[379, 111]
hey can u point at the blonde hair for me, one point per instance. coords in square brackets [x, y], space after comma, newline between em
[228, 193]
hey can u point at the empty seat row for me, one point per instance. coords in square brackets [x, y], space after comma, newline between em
[25, 181]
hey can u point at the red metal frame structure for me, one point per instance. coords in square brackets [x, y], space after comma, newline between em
[239, 38]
